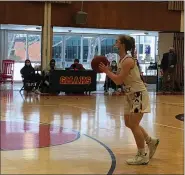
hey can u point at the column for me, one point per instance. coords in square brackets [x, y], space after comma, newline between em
[47, 36]
[3, 45]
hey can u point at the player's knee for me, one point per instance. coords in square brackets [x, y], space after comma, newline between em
[126, 119]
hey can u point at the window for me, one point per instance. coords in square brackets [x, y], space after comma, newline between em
[57, 46]
[85, 49]
[22, 46]
[147, 51]
[72, 48]
[17, 46]
[34, 47]
[107, 45]
[90, 48]
[85, 46]
[58, 50]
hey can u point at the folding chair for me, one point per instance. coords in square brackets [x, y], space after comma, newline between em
[7, 71]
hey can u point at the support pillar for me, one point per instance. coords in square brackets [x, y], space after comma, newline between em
[47, 36]
[3, 45]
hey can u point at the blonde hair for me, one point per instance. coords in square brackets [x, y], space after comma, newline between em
[129, 43]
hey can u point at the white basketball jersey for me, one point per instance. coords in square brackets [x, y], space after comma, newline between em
[132, 82]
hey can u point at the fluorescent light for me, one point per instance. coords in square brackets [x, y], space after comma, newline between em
[31, 29]
[135, 34]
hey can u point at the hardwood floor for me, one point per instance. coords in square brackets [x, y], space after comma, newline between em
[85, 135]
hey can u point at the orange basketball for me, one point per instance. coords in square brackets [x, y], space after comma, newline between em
[96, 61]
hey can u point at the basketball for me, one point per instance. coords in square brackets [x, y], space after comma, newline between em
[96, 61]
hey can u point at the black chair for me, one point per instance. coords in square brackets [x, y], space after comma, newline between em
[28, 85]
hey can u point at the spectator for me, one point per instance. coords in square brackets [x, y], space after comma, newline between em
[76, 65]
[168, 64]
[30, 77]
[45, 86]
[27, 71]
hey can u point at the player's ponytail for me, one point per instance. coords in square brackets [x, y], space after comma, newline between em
[132, 40]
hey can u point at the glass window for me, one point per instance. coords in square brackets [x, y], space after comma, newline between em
[57, 46]
[17, 46]
[72, 48]
[90, 47]
[85, 49]
[86, 46]
[22, 46]
[34, 47]
[107, 45]
[147, 49]
[107, 48]
[147, 39]
[57, 50]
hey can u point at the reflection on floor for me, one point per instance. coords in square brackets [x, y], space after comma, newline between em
[100, 89]
[84, 134]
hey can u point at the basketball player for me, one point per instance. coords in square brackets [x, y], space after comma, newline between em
[136, 100]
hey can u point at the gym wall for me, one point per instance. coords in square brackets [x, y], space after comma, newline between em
[114, 15]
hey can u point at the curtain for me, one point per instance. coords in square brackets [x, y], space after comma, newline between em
[176, 5]
[179, 49]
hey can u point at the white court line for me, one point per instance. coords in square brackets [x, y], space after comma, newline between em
[168, 126]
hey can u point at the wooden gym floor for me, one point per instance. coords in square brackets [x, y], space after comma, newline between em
[85, 135]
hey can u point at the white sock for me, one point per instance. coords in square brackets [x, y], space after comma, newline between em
[148, 139]
[141, 151]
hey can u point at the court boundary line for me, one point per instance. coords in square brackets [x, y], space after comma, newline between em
[168, 126]
[113, 157]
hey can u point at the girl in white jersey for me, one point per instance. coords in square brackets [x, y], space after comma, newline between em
[136, 100]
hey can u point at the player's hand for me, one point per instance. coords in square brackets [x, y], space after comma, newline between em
[103, 68]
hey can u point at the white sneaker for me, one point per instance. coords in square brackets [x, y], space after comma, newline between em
[152, 146]
[37, 91]
[139, 159]
[106, 93]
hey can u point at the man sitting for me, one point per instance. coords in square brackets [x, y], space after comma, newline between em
[76, 65]
[45, 86]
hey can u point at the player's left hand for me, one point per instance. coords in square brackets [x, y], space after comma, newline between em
[103, 68]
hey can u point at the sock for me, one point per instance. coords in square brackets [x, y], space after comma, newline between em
[148, 139]
[141, 151]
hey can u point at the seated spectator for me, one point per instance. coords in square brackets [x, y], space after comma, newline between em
[76, 65]
[29, 76]
[46, 75]
[50, 67]
[27, 71]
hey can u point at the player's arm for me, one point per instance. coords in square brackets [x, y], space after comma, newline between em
[119, 78]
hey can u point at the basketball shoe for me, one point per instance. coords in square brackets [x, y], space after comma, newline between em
[139, 159]
[152, 146]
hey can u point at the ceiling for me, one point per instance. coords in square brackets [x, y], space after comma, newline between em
[79, 30]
